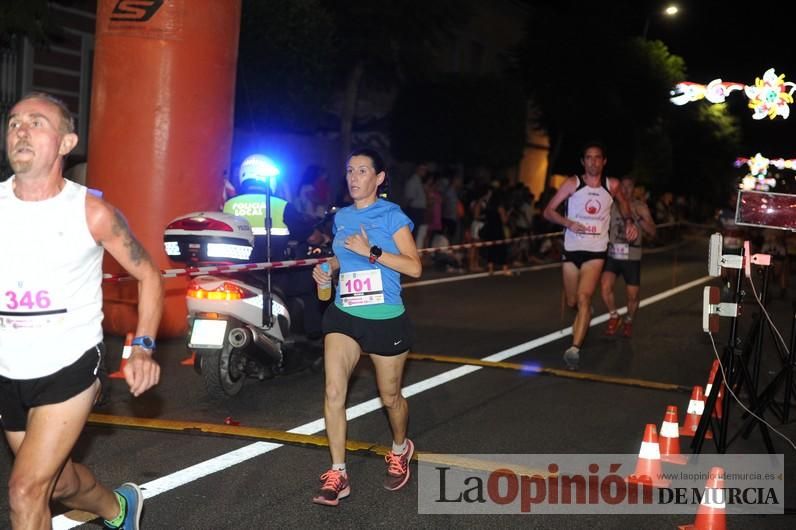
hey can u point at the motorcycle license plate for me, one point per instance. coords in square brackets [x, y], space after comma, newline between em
[208, 333]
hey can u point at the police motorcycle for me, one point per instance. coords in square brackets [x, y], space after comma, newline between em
[247, 323]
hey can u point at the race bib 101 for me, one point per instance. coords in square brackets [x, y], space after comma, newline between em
[361, 288]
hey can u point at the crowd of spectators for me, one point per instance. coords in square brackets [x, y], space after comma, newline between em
[449, 210]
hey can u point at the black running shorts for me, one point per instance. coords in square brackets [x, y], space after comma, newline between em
[579, 257]
[629, 269]
[391, 336]
[18, 396]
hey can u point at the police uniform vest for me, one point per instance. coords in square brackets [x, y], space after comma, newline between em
[251, 206]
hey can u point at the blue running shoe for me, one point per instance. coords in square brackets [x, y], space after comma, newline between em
[572, 357]
[134, 502]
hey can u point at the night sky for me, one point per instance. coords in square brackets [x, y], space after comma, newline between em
[737, 42]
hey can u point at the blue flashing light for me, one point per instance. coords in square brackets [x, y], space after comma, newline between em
[531, 368]
[258, 167]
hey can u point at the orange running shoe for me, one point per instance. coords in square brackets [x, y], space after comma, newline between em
[627, 330]
[613, 326]
[335, 487]
[398, 467]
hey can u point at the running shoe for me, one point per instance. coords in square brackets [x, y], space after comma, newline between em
[133, 504]
[335, 487]
[398, 467]
[572, 358]
[627, 330]
[613, 326]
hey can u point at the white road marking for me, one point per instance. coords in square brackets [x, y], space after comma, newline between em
[202, 469]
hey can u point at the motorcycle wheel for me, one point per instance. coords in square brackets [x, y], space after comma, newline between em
[219, 368]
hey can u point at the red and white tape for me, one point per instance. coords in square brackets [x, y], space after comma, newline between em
[195, 271]
[479, 244]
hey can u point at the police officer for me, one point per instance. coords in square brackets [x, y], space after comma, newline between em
[289, 230]
[256, 173]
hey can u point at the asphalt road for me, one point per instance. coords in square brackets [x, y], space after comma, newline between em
[201, 481]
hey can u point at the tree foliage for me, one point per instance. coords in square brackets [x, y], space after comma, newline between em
[705, 141]
[303, 62]
[475, 120]
[645, 72]
[382, 42]
[392, 39]
[590, 80]
[286, 65]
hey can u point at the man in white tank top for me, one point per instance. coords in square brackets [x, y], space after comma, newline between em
[53, 235]
[589, 199]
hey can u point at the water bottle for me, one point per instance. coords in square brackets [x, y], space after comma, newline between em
[325, 289]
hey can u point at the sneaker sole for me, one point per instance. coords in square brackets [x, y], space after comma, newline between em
[140, 505]
[411, 450]
[327, 502]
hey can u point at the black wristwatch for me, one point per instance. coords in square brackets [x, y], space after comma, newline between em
[375, 253]
[148, 343]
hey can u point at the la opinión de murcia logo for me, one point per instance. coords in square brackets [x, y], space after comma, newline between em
[506, 487]
[135, 10]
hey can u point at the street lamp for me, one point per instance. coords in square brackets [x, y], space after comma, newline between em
[669, 11]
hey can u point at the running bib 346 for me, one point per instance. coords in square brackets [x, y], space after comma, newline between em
[28, 308]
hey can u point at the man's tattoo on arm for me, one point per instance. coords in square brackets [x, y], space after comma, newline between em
[121, 229]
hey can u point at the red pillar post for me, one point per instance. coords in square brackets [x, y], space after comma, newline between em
[161, 126]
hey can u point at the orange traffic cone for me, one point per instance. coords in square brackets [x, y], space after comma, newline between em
[126, 351]
[189, 361]
[695, 408]
[719, 399]
[669, 441]
[648, 467]
[711, 515]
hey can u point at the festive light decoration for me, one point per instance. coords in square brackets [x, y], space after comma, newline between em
[768, 97]
[758, 164]
[757, 178]
[759, 184]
